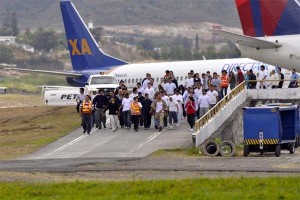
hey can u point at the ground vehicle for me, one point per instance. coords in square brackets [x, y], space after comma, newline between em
[107, 82]
[65, 96]
[270, 129]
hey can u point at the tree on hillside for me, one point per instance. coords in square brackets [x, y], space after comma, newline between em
[14, 24]
[6, 55]
[197, 42]
[45, 39]
[97, 33]
[10, 25]
[6, 25]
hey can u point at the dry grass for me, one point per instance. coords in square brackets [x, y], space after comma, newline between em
[20, 100]
[25, 129]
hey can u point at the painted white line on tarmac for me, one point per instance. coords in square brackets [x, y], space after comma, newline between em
[150, 138]
[70, 143]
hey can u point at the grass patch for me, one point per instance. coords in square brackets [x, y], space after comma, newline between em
[189, 151]
[25, 129]
[27, 83]
[20, 100]
[220, 188]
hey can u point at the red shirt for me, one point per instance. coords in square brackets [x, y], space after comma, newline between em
[190, 107]
[240, 76]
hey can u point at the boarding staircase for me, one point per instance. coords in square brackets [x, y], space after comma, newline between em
[216, 116]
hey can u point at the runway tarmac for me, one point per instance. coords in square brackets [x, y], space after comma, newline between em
[103, 143]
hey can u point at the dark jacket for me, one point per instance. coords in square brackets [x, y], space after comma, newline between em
[252, 85]
[100, 101]
[146, 103]
[112, 108]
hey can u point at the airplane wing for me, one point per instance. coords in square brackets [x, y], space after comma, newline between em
[248, 41]
[65, 74]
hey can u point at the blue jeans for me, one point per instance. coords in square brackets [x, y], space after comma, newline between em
[126, 118]
[173, 116]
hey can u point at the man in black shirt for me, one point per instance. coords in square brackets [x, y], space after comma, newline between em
[252, 80]
[146, 108]
[281, 78]
[100, 102]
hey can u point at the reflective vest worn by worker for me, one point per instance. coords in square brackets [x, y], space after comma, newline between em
[87, 107]
[135, 108]
[224, 81]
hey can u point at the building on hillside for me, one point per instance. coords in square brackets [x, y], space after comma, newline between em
[7, 40]
[11, 41]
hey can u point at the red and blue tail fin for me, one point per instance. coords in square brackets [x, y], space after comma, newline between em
[269, 17]
[84, 51]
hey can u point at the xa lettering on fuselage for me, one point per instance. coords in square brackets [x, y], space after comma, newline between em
[80, 50]
[68, 96]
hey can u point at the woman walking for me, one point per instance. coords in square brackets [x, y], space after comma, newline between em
[135, 109]
[190, 106]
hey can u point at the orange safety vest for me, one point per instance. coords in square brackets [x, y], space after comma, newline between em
[135, 108]
[87, 107]
[224, 81]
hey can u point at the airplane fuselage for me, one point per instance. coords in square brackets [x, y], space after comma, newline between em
[134, 73]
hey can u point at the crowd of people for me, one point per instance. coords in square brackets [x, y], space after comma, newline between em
[168, 103]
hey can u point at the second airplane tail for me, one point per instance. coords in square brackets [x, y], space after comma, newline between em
[84, 51]
[269, 18]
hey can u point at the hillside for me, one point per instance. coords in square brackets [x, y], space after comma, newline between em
[46, 13]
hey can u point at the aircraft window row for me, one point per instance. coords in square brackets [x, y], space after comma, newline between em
[157, 79]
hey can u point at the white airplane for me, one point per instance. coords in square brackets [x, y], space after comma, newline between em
[271, 31]
[88, 59]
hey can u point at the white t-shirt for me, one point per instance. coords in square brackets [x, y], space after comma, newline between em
[159, 106]
[149, 91]
[203, 101]
[262, 75]
[198, 92]
[166, 99]
[126, 104]
[141, 90]
[132, 95]
[170, 87]
[80, 97]
[178, 98]
[189, 82]
[172, 105]
[145, 83]
[212, 96]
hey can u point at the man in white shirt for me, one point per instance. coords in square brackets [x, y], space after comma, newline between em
[170, 87]
[139, 88]
[198, 90]
[178, 98]
[150, 91]
[189, 82]
[263, 74]
[173, 110]
[166, 99]
[203, 101]
[125, 106]
[134, 93]
[213, 96]
[147, 80]
[80, 98]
